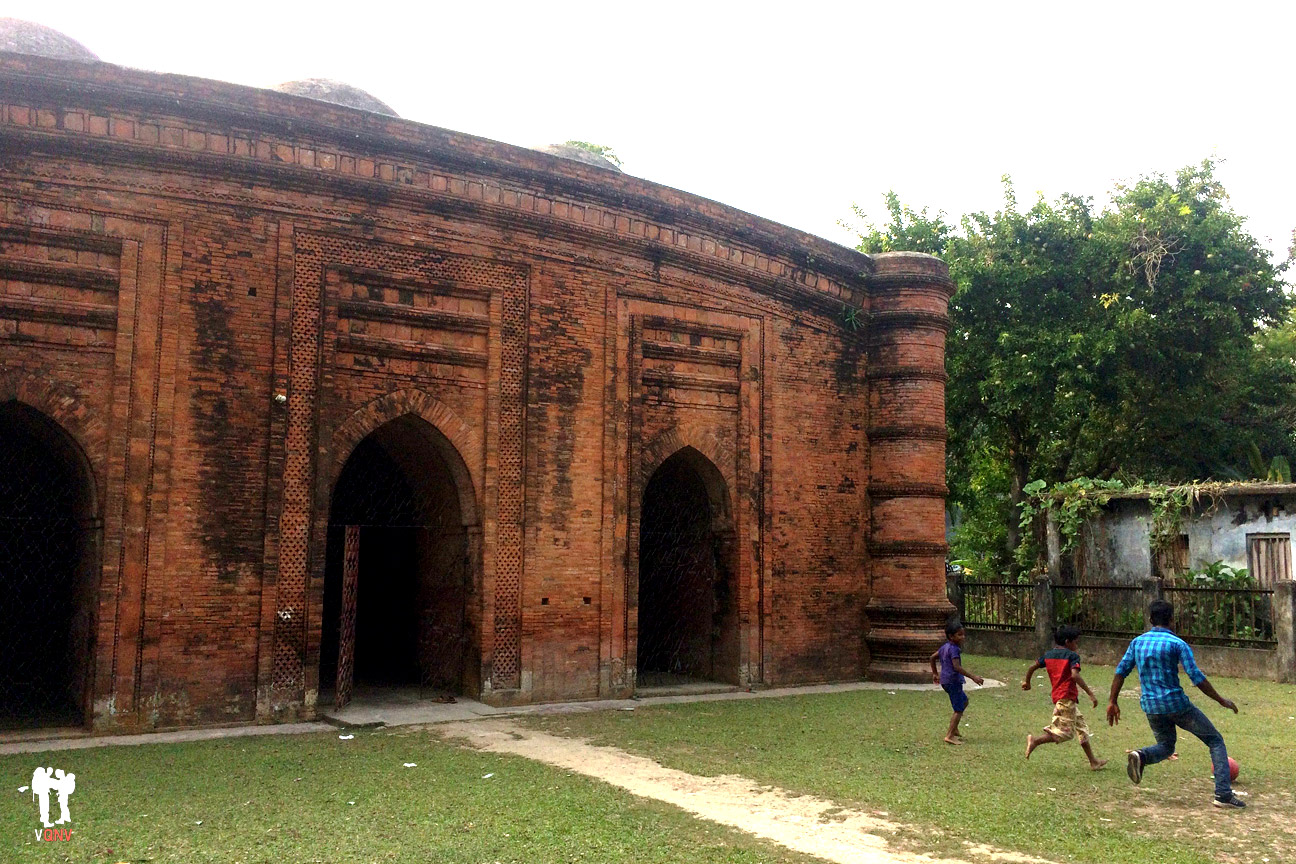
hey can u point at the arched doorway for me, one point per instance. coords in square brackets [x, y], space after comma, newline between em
[48, 563]
[688, 621]
[399, 568]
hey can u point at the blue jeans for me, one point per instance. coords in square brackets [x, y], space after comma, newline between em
[1194, 721]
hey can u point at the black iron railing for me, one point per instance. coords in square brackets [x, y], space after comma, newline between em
[1100, 610]
[1240, 617]
[998, 605]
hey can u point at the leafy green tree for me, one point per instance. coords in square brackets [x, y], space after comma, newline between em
[907, 231]
[1131, 342]
[1194, 297]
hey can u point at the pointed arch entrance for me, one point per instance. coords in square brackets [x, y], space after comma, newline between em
[400, 565]
[49, 558]
[687, 597]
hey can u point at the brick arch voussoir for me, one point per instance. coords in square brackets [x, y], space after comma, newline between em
[400, 403]
[718, 452]
[60, 403]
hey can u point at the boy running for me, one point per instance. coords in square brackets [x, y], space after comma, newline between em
[950, 676]
[1157, 654]
[1063, 665]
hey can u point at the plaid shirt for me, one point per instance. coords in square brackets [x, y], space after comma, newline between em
[1158, 653]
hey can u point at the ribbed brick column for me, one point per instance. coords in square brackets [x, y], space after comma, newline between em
[908, 303]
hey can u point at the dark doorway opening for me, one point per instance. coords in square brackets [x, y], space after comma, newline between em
[48, 562]
[687, 603]
[413, 573]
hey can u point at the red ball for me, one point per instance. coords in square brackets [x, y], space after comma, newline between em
[1233, 769]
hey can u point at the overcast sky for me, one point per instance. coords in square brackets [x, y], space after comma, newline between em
[792, 111]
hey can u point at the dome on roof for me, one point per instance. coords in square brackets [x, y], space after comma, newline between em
[578, 154]
[337, 92]
[28, 37]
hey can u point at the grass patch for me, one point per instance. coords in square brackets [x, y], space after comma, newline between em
[314, 798]
[877, 751]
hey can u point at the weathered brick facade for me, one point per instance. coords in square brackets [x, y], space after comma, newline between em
[218, 293]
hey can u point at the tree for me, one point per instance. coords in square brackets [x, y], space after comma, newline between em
[597, 149]
[1130, 342]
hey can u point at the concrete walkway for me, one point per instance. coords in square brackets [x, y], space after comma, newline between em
[404, 708]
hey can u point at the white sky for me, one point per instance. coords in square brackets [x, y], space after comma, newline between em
[790, 110]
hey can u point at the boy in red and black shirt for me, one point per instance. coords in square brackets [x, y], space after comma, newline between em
[1063, 665]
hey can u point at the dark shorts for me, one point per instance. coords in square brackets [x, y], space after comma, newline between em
[958, 699]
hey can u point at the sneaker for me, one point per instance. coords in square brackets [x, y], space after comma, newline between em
[1232, 802]
[1134, 766]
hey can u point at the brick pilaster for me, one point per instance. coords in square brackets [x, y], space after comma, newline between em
[909, 299]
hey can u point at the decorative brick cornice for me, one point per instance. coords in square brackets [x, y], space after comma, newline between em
[879, 491]
[906, 548]
[691, 353]
[408, 350]
[915, 431]
[473, 200]
[656, 322]
[891, 283]
[884, 610]
[379, 279]
[911, 318]
[913, 373]
[690, 382]
[434, 319]
[196, 119]
[65, 312]
[112, 90]
[60, 239]
[58, 273]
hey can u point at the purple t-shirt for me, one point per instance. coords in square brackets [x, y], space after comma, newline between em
[948, 653]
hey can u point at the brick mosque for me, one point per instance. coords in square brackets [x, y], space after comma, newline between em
[300, 401]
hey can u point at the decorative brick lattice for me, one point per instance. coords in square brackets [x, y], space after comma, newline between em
[294, 525]
[304, 510]
[507, 666]
[346, 630]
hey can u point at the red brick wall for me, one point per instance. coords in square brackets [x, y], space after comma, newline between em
[171, 268]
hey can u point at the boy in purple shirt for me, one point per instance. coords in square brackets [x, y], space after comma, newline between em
[950, 676]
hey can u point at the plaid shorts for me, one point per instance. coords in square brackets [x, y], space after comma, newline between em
[1068, 722]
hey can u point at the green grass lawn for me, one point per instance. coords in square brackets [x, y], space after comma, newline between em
[313, 798]
[307, 798]
[880, 752]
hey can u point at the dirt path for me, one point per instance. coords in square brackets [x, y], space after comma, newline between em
[803, 823]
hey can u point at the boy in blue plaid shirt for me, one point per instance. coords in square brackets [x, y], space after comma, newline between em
[1157, 654]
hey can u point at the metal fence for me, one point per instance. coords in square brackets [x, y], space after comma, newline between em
[1232, 617]
[1240, 617]
[1100, 610]
[998, 605]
